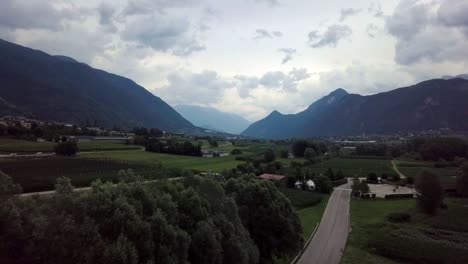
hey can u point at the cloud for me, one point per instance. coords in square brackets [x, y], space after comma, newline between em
[288, 55]
[454, 14]
[347, 12]
[162, 33]
[332, 35]
[261, 33]
[202, 88]
[429, 31]
[144, 7]
[375, 8]
[106, 16]
[36, 14]
[271, 3]
[372, 30]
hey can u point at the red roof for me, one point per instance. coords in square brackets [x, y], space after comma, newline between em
[271, 177]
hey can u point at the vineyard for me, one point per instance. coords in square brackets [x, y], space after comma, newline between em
[39, 173]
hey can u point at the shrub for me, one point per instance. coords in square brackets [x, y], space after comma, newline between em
[68, 148]
[372, 178]
[430, 192]
[399, 196]
[399, 217]
[236, 152]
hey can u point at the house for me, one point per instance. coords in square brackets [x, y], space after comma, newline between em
[310, 185]
[272, 177]
[298, 185]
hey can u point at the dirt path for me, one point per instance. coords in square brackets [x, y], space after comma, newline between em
[395, 168]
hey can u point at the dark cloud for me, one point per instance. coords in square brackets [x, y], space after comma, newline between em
[35, 14]
[454, 14]
[332, 35]
[261, 33]
[347, 12]
[106, 16]
[288, 54]
[162, 33]
[429, 31]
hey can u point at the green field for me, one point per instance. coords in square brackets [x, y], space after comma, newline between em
[351, 167]
[311, 216]
[170, 161]
[40, 173]
[413, 169]
[18, 146]
[366, 217]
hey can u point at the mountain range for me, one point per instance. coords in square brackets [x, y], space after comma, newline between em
[432, 104]
[213, 119]
[58, 88]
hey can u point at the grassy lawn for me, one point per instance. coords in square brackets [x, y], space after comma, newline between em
[170, 161]
[351, 167]
[367, 216]
[413, 169]
[15, 145]
[311, 216]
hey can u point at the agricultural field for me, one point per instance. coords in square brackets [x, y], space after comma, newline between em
[441, 239]
[40, 173]
[168, 160]
[354, 166]
[24, 146]
[366, 217]
[413, 169]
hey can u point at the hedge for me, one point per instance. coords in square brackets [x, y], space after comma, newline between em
[339, 182]
[399, 196]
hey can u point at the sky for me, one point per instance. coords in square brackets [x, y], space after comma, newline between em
[250, 57]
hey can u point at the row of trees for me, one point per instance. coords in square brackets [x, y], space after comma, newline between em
[173, 147]
[50, 132]
[193, 221]
[436, 149]
[308, 149]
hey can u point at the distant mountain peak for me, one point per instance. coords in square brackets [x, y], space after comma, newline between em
[65, 58]
[275, 113]
[339, 91]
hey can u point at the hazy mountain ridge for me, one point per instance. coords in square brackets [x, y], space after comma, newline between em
[431, 104]
[213, 119]
[59, 88]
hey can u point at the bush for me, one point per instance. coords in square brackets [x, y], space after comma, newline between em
[236, 152]
[68, 148]
[372, 178]
[339, 182]
[399, 217]
[409, 180]
[430, 192]
[399, 196]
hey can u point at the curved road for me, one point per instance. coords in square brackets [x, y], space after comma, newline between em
[329, 241]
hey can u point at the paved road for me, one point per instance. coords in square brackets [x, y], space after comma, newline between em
[329, 241]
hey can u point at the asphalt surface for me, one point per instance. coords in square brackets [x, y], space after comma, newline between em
[327, 245]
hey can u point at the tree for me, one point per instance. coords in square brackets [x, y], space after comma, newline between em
[330, 174]
[213, 143]
[299, 147]
[284, 154]
[68, 148]
[269, 155]
[372, 178]
[309, 153]
[429, 192]
[462, 180]
[63, 186]
[323, 184]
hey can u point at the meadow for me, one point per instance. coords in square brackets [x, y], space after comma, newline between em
[169, 161]
[442, 237]
[354, 166]
[40, 173]
[413, 169]
[24, 146]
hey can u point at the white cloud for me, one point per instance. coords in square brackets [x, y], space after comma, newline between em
[330, 37]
